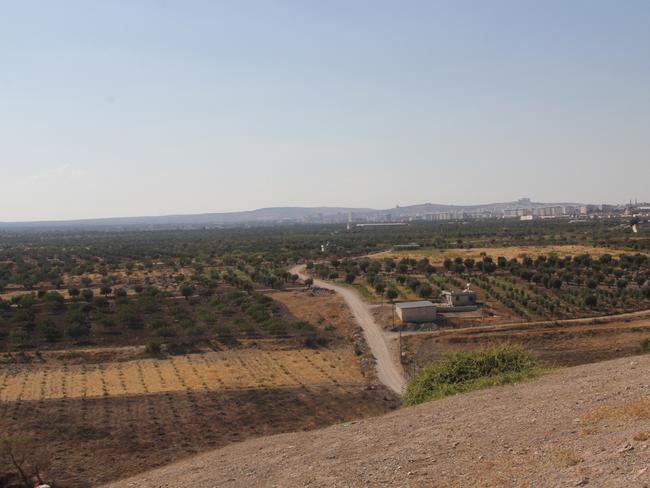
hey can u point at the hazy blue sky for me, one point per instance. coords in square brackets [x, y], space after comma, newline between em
[140, 107]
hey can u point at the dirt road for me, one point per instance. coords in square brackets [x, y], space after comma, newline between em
[388, 372]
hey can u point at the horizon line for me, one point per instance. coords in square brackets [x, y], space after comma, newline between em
[292, 207]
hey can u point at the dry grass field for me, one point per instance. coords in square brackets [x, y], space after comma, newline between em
[582, 426]
[437, 256]
[148, 412]
[556, 343]
[322, 308]
[194, 372]
[94, 440]
[90, 405]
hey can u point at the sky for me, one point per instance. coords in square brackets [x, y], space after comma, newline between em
[153, 107]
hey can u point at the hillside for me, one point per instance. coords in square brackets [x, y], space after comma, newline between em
[587, 425]
[271, 215]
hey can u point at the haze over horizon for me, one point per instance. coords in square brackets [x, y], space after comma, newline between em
[160, 107]
[244, 211]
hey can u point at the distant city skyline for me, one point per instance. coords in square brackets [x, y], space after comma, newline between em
[523, 208]
[118, 109]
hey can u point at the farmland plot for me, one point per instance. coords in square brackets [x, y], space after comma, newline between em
[148, 412]
[138, 432]
[196, 372]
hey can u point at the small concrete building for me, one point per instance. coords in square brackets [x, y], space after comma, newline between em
[417, 312]
[465, 298]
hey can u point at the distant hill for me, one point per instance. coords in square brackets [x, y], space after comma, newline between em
[272, 215]
[262, 215]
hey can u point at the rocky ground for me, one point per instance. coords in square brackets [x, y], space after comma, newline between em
[582, 426]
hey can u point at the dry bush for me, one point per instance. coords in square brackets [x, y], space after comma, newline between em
[26, 456]
[569, 457]
[637, 410]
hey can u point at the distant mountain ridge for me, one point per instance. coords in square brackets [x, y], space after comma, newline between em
[275, 215]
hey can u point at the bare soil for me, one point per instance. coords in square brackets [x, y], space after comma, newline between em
[320, 307]
[224, 370]
[138, 432]
[107, 412]
[557, 343]
[582, 426]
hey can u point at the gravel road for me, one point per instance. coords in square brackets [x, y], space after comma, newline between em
[388, 372]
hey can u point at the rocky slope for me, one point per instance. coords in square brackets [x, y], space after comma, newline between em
[587, 425]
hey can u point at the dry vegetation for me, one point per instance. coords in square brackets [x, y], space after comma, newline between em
[323, 308]
[92, 404]
[138, 432]
[527, 435]
[437, 256]
[191, 372]
[530, 295]
[556, 343]
[143, 348]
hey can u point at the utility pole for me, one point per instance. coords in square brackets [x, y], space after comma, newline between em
[400, 343]
[400, 334]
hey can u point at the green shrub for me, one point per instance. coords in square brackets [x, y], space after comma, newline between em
[100, 302]
[645, 346]
[75, 316]
[77, 330]
[158, 323]
[166, 331]
[22, 315]
[106, 322]
[646, 291]
[50, 331]
[27, 301]
[54, 301]
[176, 348]
[302, 325]
[258, 314]
[128, 315]
[276, 328]
[223, 331]
[247, 328]
[195, 331]
[263, 299]
[19, 336]
[153, 348]
[461, 371]
[314, 342]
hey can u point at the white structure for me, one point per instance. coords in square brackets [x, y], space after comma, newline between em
[418, 312]
[465, 298]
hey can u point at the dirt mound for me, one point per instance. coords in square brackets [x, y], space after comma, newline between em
[587, 425]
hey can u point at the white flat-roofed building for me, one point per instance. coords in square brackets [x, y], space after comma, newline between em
[418, 312]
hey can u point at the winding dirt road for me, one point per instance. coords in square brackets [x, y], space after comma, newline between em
[388, 372]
